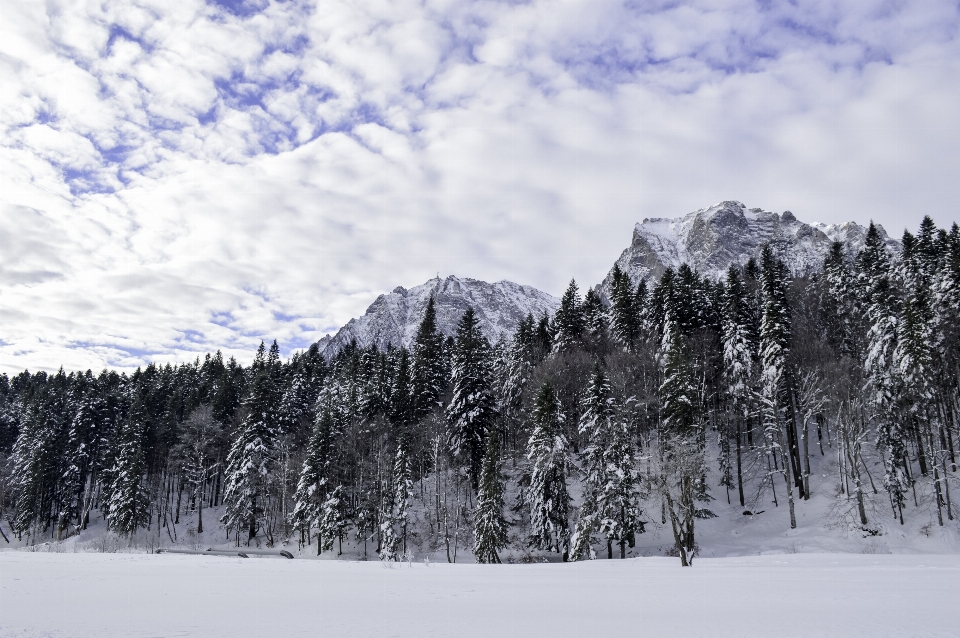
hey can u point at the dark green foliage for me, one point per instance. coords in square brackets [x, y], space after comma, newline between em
[472, 408]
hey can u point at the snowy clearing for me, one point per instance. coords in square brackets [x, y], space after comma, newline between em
[142, 595]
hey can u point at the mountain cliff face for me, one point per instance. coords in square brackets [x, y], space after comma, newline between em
[394, 318]
[711, 239]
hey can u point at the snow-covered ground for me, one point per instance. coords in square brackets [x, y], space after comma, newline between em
[63, 595]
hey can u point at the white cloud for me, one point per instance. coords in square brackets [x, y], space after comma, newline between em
[177, 179]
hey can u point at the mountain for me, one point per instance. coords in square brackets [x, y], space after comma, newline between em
[394, 318]
[711, 239]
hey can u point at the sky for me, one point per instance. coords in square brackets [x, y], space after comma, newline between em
[181, 177]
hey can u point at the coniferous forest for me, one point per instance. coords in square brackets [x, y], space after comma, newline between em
[631, 407]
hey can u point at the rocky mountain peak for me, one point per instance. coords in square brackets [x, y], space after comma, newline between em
[393, 318]
[713, 238]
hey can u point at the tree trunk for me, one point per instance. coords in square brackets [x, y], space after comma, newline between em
[786, 473]
[739, 468]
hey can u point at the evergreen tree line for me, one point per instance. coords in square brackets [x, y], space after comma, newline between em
[630, 407]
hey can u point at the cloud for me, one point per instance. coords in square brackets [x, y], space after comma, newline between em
[178, 178]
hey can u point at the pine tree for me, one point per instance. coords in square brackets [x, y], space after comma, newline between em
[311, 493]
[624, 316]
[331, 521]
[252, 458]
[679, 479]
[774, 345]
[472, 409]
[611, 480]
[569, 322]
[879, 300]
[547, 494]
[84, 446]
[129, 500]
[39, 455]
[490, 529]
[430, 374]
[402, 407]
[738, 356]
[299, 399]
[402, 489]
[594, 314]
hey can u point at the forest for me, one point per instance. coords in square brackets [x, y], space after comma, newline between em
[633, 407]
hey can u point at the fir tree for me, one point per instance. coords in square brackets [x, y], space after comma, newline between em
[311, 488]
[472, 409]
[569, 322]
[547, 495]
[252, 458]
[129, 500]
[402, 489]
[679, 480]
[738, 359]
[774, 345]
[594, 314]
[611, 480]
[879, 299]
[624, 316]
[402, 408]
[331, 523]
[430, 375]
[490, 528]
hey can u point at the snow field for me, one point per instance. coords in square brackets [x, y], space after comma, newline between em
[142, 595]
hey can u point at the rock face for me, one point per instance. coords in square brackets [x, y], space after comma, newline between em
[394, 318]
[711, 239]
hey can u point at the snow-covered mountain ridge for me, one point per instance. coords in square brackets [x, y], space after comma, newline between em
[709, 239]
[713, 238]
[394, 317]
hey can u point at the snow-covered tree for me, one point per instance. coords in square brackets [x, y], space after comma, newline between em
[569, 322]
[611, 482]
[595, 316]
[738, 356]
[429, 369]
[197, 454]
[490, 527]
[547, 495]
[129, 500]
[878, 296]
[332, 522]
[624, 316]
[252, 459]
[774, 347]
[473, 407]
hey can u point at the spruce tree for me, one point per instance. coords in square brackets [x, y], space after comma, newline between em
[611, 481]
[738, 359]
[490, 528]
[594, 315]
[430, 375]
[774, 347]
[331, 523]
[623, 312]
[569, 323]
[252, 458]
[311, 490]
[878, 297]
[547, 495]
[129, 500]
[402, 489]
[679, 479]
[472, 409]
